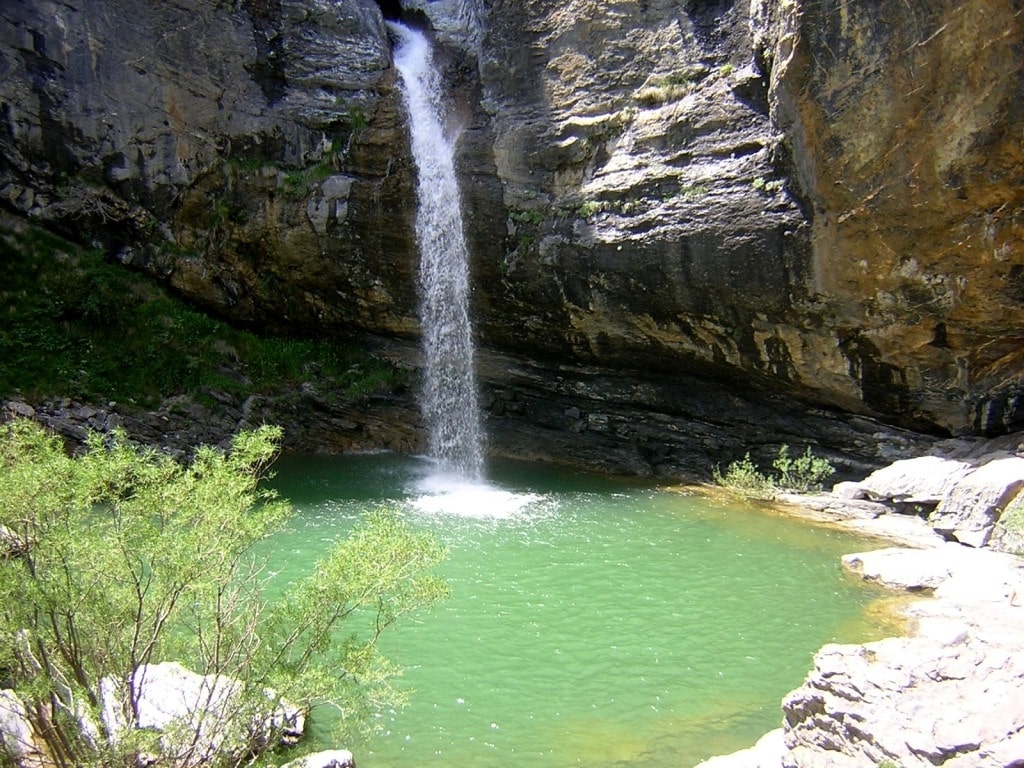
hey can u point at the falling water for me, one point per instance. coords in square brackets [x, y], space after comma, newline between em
[450, 406]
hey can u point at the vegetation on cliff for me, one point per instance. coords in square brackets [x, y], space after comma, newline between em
[122, 558]
[77, 325]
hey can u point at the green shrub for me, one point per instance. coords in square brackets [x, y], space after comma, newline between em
[123, 557]
[803, 474]
[526, 217]
[743, 477]
[1011, 521]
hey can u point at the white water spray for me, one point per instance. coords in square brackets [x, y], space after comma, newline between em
[449, 398]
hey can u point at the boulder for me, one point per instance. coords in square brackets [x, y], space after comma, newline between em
[970, 509]
[12, 543]
[19, 408]
[912, 570]
[964, 498]
[332, 758]
[17, 740]
[199, 717]
[924, 480]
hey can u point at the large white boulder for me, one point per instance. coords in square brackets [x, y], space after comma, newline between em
[969, 511]
[17, 741]
[199, 716]
[924, 480]
[963, 499]
[332, 758]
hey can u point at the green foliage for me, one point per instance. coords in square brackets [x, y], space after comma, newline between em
[1011, 521]
[744, 478]
[297, 184]
[726, 69]
[768, 187]
[693, 191]
[532, 217]
[75, 324]
[1012, 517]
[666, 88]
[802, 474]
[126, 557]
[357, 118]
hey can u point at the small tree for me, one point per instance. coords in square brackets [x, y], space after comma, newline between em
[123, 557]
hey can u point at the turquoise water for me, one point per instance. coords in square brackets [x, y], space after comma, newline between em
[592, 621]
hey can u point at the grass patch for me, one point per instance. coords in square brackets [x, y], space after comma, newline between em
[74, 324]
[670, 87]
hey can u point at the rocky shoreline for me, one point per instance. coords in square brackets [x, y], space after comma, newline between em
[949, 693]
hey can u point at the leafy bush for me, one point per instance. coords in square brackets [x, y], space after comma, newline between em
[1011, 521]
[743, 477]
[123, 557]
[802, 474]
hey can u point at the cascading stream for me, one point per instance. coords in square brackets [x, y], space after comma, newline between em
[449, 397]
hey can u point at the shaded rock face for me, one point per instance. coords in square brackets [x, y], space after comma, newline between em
[251, 153]
[799, 201]
[649, 227]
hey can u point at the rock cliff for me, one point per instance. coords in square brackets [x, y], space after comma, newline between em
[811, 212]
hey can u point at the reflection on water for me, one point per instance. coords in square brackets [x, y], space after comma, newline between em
[593, 621]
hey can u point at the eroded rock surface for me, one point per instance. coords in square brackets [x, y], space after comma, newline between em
[964, 499]
[951, 694]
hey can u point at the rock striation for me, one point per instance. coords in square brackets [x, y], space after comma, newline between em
[251, 154]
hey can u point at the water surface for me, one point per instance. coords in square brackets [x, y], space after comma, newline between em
[593, 621]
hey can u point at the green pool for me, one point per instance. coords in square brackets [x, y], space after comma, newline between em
[593, 621]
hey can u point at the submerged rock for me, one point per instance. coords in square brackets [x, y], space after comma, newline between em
[766, 753]
[332, 758]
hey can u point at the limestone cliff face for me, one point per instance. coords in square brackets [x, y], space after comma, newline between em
[250, 152]
[904, 125]
[734, 203]
[826, 196]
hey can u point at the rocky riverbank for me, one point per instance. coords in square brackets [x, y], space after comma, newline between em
[949, 693]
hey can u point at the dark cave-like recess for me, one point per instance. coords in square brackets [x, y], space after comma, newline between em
[391, 9]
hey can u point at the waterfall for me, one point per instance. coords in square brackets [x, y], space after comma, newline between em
[449, 397]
